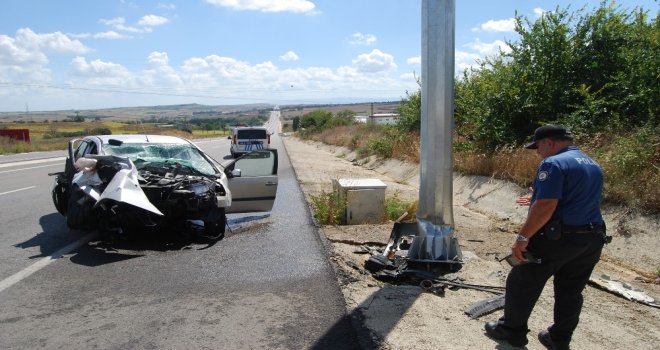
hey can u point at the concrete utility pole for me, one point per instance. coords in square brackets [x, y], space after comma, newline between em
[434, 242]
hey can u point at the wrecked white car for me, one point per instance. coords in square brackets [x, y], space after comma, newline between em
[137, 183]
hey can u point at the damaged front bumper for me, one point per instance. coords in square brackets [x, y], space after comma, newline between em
[114, 196]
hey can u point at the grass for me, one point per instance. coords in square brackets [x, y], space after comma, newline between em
[328, 210]
[396, 209]
[41, 134]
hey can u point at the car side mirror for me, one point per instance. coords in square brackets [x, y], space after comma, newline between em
[236, 173]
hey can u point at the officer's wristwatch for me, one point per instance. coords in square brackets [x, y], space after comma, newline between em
[521, 238]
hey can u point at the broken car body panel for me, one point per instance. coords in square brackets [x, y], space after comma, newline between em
[124, 187]
[174, 183]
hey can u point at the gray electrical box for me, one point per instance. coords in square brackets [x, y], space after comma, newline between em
[364, 199]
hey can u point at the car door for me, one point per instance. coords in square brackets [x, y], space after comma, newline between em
[62, 190]
[252, 180]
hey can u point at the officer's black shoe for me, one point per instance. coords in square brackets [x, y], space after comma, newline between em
[495, 331]
[546, 340]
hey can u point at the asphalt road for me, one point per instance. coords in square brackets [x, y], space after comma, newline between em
[266, 285]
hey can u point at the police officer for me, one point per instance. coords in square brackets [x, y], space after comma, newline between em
[564, 232]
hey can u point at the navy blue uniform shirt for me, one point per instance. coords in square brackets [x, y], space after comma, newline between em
[576, 181]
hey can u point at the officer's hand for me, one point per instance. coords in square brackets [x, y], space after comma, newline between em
[524, 200]
[517, 250]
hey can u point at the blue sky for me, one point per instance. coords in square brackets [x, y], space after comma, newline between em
[83, 54]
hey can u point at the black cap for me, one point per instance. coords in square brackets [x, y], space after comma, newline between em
[550, 130]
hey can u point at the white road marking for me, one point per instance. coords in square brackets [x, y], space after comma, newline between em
[16, 190]
[19, 276]
[34, 167]
[36, 161]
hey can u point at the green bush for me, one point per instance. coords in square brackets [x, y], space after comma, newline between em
[381, 146]
[395, 208]
[593, 71]
[327, 209]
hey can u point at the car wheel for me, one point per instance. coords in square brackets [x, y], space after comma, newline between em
[80, 213]
[61, 196]
[214, 225]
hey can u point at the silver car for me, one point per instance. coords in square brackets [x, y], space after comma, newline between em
[121, 183]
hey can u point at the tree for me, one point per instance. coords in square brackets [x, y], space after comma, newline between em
[315, 120]
[410, 112]
[590, 71]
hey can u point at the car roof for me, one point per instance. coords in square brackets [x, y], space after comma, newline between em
[249, 127]
[142, 138]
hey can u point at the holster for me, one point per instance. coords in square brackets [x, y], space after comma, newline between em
[553, 230]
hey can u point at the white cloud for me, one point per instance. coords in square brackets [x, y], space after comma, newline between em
[118, 23]
[362, 39]
[156, 59]
[289, 56]
[538, 12]
[152, 21]
[53, 42]
[462, 60]
[487, 49]
[410, 77]
[414, 60]
[504, 25]
[97, 68]
[24, 58]
[111, 34]
[216, 79]
[375, 61]
[296, 6]
[144, 25]
[166, 6]
[465, 60]
[160, 74]
[13, 53]
[28, 50]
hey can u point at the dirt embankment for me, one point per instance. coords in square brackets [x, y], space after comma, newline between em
[486, 217]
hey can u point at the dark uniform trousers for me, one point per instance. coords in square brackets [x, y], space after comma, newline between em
[571, 259]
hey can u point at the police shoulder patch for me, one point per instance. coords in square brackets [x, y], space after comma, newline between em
[543, 175]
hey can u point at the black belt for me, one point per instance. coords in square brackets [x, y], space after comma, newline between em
[590, 228]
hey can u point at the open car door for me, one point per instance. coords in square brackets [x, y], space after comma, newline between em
[62, 189]
[252, 181]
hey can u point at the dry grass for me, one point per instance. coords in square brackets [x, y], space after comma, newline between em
[40, 143]
[516, 165]
[630, 161]
[407, 149]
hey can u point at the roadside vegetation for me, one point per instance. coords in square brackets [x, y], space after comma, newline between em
[595, 72]
[328, 209]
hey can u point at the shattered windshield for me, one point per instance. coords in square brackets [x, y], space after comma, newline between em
[162, 154]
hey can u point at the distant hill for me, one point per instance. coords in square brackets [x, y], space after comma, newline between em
[193, 110]
[291, 111]
[123, 114]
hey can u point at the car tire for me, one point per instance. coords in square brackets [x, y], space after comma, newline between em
[61, 194]
[80, 213]
[215, 223]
